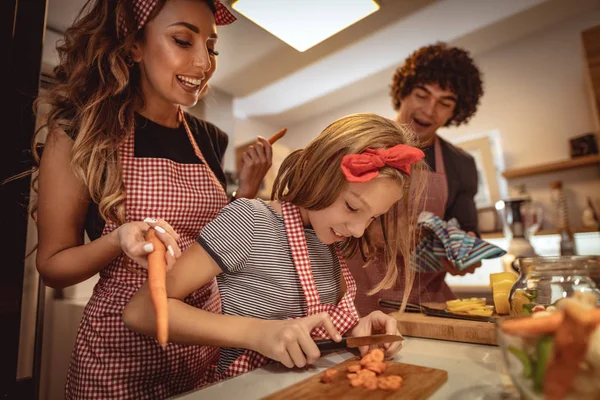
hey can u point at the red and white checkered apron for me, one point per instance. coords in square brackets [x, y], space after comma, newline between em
[343, 315]
[427, 287]
[110, 361]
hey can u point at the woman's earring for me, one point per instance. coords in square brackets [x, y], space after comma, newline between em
[130, 63]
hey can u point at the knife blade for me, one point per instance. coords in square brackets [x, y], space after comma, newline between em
[435, 312]
[357, 341]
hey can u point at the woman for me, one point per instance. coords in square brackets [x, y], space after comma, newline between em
[120, 150]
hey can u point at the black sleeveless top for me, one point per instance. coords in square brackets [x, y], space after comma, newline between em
[156, 141]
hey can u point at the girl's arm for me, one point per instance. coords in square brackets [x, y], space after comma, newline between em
[63, 200]
[188, 324]
[287, 341]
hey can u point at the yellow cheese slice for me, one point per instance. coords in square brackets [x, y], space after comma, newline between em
[502, 276]
[484, 312]
[501, 302]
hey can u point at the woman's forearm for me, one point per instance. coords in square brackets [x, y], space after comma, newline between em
[76, 264]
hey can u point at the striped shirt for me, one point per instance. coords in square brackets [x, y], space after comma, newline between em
[249, 243]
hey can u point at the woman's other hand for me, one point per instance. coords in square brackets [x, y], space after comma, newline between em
[256, 161]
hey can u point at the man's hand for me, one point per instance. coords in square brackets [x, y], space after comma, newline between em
[451, 268]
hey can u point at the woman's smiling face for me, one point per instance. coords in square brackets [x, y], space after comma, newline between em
[177, 55]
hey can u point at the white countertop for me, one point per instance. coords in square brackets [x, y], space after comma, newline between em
[474, 372]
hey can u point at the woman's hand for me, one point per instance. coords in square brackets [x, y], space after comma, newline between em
[378, 322]
[290, 342]
[131, 239]
[256, 161]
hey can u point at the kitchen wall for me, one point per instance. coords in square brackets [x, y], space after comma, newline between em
[247, 130]
[217, 108]
[535, 96]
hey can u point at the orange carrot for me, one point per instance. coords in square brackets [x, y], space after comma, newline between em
[277, 136]
[595, 315]
[533, 325]
[157, 269]
[570, 347]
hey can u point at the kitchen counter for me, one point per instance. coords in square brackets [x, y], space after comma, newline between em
[474, 372]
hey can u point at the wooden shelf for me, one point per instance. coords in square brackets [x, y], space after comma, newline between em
[551, 167]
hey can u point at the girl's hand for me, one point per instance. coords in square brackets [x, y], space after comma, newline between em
[256, 161]
[378, 322]
[130, 238]
[290, 342]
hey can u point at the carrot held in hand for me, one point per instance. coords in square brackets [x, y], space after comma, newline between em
[277, 136]
[157, 270]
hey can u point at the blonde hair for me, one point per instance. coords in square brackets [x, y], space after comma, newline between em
[311, 178]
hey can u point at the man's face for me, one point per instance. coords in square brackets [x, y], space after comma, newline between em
[427, 108]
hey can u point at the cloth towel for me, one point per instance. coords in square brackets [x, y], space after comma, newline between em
[443, 239]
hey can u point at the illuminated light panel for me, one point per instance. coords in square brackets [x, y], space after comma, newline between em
[303, 24]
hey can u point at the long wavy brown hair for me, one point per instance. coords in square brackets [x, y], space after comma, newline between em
[311, 178]
[97, 89]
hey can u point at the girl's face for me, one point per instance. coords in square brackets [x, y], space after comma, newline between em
[177, 55]
[354, 209]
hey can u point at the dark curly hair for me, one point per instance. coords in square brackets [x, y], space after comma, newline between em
[451, 68]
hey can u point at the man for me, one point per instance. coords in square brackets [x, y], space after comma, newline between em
[436, 86]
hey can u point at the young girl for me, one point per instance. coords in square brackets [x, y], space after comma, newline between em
[120, 149]
[279, 264]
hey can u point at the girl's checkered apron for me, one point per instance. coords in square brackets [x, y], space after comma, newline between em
[110, 361]
[343, 315]
[427, 287]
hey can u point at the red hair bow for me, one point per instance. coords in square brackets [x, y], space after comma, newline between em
[365, 166]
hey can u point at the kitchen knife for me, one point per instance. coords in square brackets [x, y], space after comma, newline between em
[434, 312]
[327, 345]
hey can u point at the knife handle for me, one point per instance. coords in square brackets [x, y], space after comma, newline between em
[329, 345]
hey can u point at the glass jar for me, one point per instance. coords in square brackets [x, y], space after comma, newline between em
[545, 280]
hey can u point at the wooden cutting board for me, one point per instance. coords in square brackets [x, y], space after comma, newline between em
[418, 383]
[457, 330]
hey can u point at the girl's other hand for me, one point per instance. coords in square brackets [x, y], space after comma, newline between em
[132, 242]
[378, 322]
[290, 342]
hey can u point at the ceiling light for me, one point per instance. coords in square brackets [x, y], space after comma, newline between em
[304, 23]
